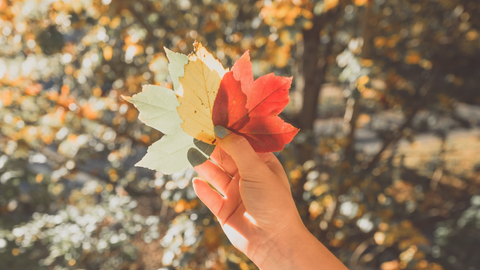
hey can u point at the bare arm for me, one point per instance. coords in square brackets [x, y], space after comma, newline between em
[257, 211]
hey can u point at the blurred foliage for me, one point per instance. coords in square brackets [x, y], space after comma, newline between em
[385, 171]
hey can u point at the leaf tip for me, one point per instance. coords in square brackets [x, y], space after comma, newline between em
[143, 163]
[196, 45]
[127, 98]
[169, 53]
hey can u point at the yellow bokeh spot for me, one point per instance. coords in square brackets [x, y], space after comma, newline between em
[180, 206]
[295, 174]
[97, 92]
[366, 62]
[338, 223]
[15, 252]
[426, 64]
[98, 189]
[38, 178]
[243, 265]
[308, 25]
[379, 238]
[391, 265]
[315, 210]
[363, 119]
[329, 4]
[379, 42]
[104, 20]
[113, 175]
[360, 2]
[115, 22]
[412, 58]
[363, 80]
[472, 35]
[281, 56]
[107, 53]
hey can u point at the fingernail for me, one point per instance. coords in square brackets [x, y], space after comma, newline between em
[221, 132]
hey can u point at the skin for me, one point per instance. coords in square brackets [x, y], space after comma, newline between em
[257, 211]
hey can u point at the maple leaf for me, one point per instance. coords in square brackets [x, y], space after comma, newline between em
[250, 108]
[201, 98]
[200, 85]
[176, 150]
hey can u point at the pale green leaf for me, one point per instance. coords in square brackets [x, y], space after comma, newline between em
[176, 68]
[174, 153]
[169, 154]
[158, 108]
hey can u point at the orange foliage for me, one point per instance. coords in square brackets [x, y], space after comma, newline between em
[90, 112]
[412, 58]
[6, 97]
[33, 89]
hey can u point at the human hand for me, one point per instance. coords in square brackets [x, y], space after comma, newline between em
[257, 211]
[258, 205]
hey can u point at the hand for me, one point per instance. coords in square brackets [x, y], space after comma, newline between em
[258, 205]
[257, 211]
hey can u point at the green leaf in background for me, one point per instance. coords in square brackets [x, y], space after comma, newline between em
[176, 68]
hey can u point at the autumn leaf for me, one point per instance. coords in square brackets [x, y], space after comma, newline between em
[176, 67]
[157, 108]
[200, 85]
[176, 150]
[250, 108]
[247, 107]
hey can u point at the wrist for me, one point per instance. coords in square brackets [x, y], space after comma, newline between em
[295, 249]
[282, 250]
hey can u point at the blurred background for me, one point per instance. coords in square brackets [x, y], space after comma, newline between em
[385, 170]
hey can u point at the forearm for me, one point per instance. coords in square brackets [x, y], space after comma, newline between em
[297, 250]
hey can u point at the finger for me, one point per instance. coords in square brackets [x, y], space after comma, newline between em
[276, 167]
[208, 196]
[236, 222]
[232, 200]
[249, 164]
[224, 160]
[214, 175]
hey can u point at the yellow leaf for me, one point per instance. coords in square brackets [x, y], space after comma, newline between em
[200, 86]
[201, 53]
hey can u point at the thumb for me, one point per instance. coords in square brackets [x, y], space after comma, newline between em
[250, 165]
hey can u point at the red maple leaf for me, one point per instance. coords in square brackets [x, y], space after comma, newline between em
[250, 108]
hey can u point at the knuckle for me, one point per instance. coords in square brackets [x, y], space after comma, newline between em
[240, 142]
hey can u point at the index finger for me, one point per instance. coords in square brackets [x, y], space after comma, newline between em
[224, 160]
[249, 164]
